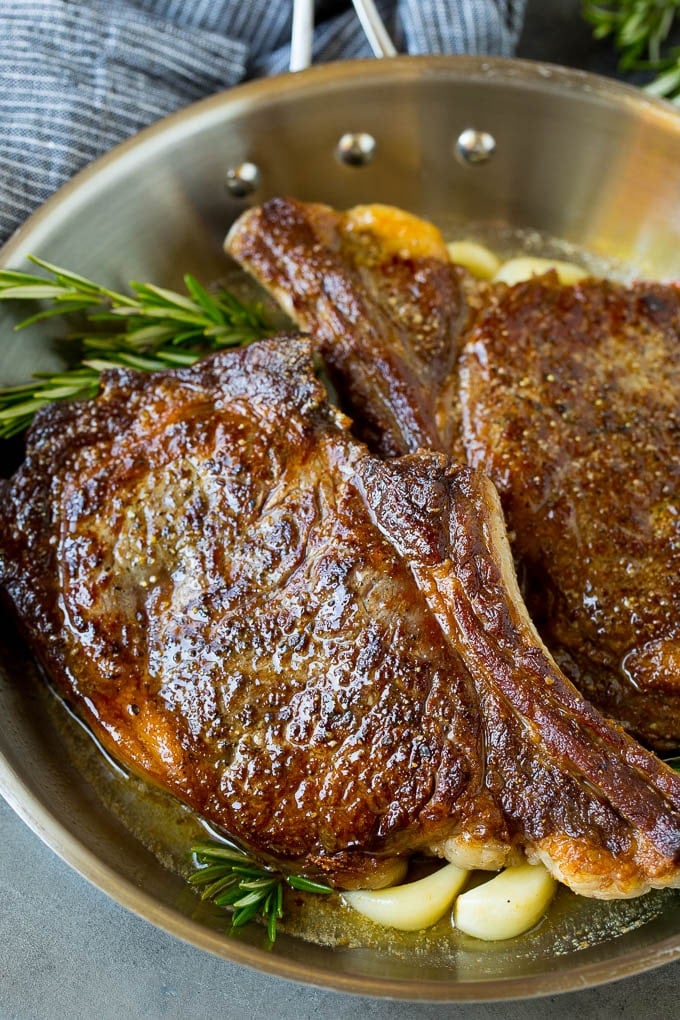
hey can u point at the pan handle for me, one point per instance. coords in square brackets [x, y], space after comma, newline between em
[374, 27]
[303, 32]
[301, 35]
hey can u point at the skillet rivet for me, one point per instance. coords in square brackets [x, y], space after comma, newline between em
[475, 146]
[356, 148]
[242, 180]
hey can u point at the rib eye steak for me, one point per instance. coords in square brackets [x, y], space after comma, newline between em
[322, 652]
[570, 398]
[579, 427]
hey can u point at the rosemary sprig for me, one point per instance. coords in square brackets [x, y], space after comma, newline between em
[674, 763]
[232, 879]
[148, 329]
[640, 30]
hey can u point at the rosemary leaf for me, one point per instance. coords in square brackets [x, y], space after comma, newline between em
[216, 851]
[242, 915]
[272, 918]
[202, 297]
[60, 308]
[247, 871]
[254, 898]
[206, 875]
[70, 280]
[32, 292]
[260, 885]
[24, 408]
[667, 83]
[226, 899]
[640, 31]
[221, 885]
[159, 297]
[307, 885]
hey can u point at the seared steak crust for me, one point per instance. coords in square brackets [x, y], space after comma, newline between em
[323, 653]
[570, 399]
[576, 791]
[200, 578]
[386, 307]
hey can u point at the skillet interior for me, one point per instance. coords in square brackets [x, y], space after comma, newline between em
[577, 158]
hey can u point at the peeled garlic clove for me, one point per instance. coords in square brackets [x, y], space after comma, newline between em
[523, 268]
[414, 905]
[511, 903]
[477, 258]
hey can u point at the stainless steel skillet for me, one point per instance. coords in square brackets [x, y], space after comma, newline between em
[573, 157]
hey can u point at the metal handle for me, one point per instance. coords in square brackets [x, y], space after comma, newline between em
[303, 32]
[302, 35]
[374, 27]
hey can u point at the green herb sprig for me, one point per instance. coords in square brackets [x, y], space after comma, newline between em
[148, 329]
[232, 879]
[640, 30]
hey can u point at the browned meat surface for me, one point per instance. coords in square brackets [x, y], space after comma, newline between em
[386, 307]
[572, 405]
[323, 653]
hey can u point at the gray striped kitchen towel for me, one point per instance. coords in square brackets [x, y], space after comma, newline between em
[79, 76]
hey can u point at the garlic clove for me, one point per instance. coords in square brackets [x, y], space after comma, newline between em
[411, 906]
[509, 904]
[477, 258]
[523, 268]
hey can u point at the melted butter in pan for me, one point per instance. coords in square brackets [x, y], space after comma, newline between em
[167, 829]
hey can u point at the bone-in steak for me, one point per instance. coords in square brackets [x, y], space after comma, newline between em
[323, 653]
[570, 398]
